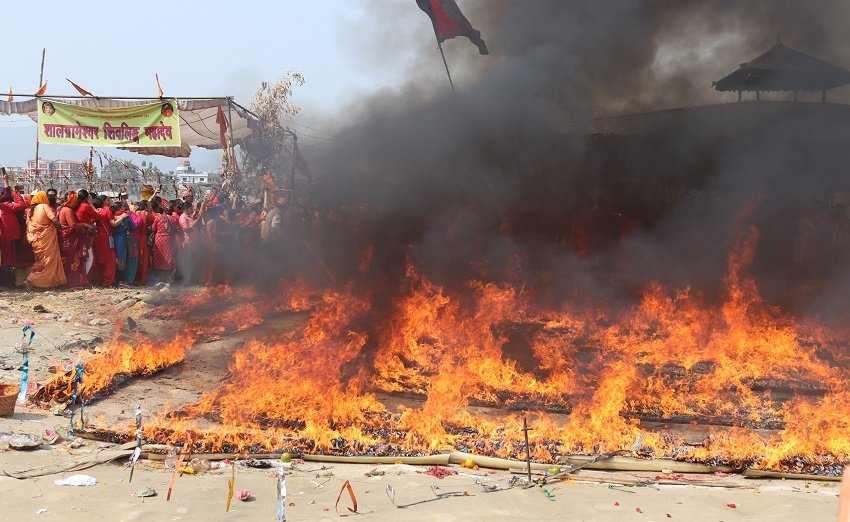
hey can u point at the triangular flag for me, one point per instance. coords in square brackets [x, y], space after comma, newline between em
[158, 87]
[301, 163]
[41, 89]
[11, 98]
[80, 89]
[222, 125]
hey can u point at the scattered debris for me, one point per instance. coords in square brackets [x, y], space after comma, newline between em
[145, 492]
[438, 472]
[76, 480]
[375, 473]
[20, 441]
[244, 495]
[346, 485]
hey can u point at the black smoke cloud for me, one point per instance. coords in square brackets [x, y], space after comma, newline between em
[507, 180]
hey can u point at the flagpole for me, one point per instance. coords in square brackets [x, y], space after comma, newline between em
[448, 73]
[40, 83]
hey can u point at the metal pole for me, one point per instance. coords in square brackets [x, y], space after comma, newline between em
[40, 83]
[448, 73]
[294, 161]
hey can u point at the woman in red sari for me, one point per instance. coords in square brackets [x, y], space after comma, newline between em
[162, 253]
[12, 205]
[74, 242]
[42, 235]
[140, 233]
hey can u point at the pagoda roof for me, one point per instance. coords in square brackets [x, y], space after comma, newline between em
[781, 68]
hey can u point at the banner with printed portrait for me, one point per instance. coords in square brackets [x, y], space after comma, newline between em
[149, 125]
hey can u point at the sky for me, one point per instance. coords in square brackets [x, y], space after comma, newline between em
[205, 48]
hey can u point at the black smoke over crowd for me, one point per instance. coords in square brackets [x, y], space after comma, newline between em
[507, 180]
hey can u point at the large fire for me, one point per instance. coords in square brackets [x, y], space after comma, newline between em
[457, 367]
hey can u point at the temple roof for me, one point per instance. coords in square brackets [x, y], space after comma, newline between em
[781, 68]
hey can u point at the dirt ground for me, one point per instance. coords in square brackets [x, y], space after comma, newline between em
[80, 323]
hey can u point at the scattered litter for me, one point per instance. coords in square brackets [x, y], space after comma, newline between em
[281, 493]
[76, 480]
[258, 464]
[230, 484]
[439, 472]
[40, 511]
[198, 466]
[244, 495]
[75, 443]
[668, 515]
[616, 503]
[549, 494]
[732, 505]
[285, 457]
[51, 437]
[145, 492]
[639, 510]
[40, 309]
[346, 485]
[20, 441]
[375, 473]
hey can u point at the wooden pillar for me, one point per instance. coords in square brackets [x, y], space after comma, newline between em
[739, 95]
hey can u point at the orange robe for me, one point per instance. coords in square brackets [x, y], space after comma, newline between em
[47, 270]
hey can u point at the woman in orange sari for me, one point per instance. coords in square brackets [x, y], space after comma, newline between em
[42, 235]
[74, 242]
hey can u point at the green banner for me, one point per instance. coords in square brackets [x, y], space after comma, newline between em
[149, 125]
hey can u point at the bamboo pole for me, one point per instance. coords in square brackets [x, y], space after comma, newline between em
[765, 474]
[40, 83]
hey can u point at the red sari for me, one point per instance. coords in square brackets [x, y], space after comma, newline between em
[104, 254]
[163, 255]
[74, 244]
[141, 235]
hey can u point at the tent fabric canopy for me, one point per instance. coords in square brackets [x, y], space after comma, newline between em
[781, 68]
[198, 127]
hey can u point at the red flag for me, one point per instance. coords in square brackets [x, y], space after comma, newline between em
[11, 98]
[449, 22]
[222, 125]
[301, 163]
[80, 89]
[158, 87]
[41, 89]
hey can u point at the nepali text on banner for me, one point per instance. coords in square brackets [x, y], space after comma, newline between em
[149, 125]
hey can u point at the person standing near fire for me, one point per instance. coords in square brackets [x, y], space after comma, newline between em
[12, 206]
[42, 228]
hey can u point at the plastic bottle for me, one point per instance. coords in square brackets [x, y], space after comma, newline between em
[281, 493]
[171, 459]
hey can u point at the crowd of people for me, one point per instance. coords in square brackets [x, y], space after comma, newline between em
[81, 238]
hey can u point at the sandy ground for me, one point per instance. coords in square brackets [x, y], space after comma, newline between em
[82, 322]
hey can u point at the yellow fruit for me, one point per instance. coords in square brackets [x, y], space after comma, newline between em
[285, 457]
[468, 463]
[554, 470]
